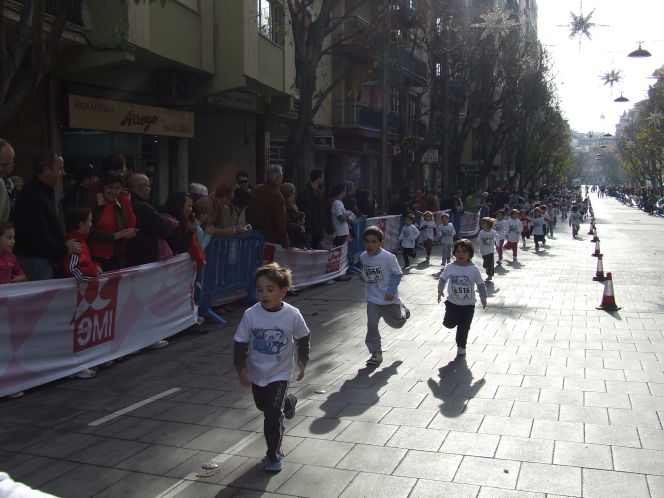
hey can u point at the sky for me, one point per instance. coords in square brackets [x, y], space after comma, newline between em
[577, 71]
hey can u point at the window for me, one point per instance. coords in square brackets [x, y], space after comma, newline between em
[394, 100]
[439, 25]
[271, 20]
[439, 69]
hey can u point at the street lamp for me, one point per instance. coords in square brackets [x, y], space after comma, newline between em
[639, 52]
[621, 98]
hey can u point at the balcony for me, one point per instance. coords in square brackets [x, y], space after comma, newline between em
[74, 15]
[409, 64]
[353, 114]
[353, 37]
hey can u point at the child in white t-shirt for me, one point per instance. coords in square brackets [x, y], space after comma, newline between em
[514, 230]
[538, 227]
[408, 238]
[427, 229]
[461, 277]
[382, 274]
[500, 226]
[263, 354]
[575, 220]
[487, 240]
[445, 232]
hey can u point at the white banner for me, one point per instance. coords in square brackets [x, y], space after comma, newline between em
[391, 226]
[53, 328]
[309, 267]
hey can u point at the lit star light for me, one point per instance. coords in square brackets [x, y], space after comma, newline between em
[612, 77]
[496, 22]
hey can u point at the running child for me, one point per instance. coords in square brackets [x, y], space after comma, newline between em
[263, 353]
[427, 229]
[514, 230]
[547, 220]
[78, 221]
[408, 238]
[526, 227]
[382, 274]
[487, 240]
[575, 221]
[10, 270]
[461, 277]
[553, 215]
[538, 227]
[500, 226]
[446, 232]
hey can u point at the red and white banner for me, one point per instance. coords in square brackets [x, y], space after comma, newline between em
[470, 223]
[391, 226]
[53, 328]
[309, 267]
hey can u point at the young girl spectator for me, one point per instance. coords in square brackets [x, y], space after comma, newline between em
[179, 207]
[202, 214]
[487, 240]
[446, 232]
[10, 271]
[408, 238]
[113, 223]
[78, 221]
[427, 229]
[327, 242]
[525, 226]
[500, 226]
[514, 229]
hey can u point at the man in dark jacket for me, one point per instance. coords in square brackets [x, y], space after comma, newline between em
[150, 226]
[40, 240]
[312, 204]
[267, 210]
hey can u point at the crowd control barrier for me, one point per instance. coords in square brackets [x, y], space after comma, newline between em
[356, 246]
[50, 329]
[228, 274]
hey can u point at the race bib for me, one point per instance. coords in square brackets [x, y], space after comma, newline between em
[373, 274]
[514, 228]
[462, 288]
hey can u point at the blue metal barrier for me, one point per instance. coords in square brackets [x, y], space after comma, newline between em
[229, 270]
[356, 246]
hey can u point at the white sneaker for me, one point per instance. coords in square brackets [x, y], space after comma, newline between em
[461, 351]
[86, 373]
[376, 359]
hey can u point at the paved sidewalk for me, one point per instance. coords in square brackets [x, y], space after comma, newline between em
[555, 398]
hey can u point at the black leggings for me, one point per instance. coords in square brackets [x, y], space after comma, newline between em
[270, 400]
[460, 317]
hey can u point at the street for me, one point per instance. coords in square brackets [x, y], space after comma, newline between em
[555, 397]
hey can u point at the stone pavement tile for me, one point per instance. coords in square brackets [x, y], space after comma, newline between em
[320, 453]
[130, 428]
[366, 433]
[551, 479]
[229, 418]
[311, 481]
[600, 484]
[366, 484]
[542, 411]
[251, 476]
[108, 452]
[428, 465]
[594, 456]
[647, 402]
[507, 426]
[467, 422]
[638, 461]
[10, 459]
[656, 486]
[196, 396]
[438, 489]
[527, 370]
[544, 382]
[139, 486]
[486, 492]
[400, 399]
[409, 417]
[327, 408]
[63, 445]
[596, 385]
[255, 446]
[319, 428]
[562, 397]
[656, 389]
[499, 407]
[173, 434]
[525, 449]
[560, 431]
[496, 379]
[478, 389]
[215, 439]
[469, 443]
[205, 490]
[652, 439]
[568, 372]
[589, 414]
[518, 393]
[488, 472]
[234, 400]
[155, 459]
[37, 471]
[23, 436]
[369, 458]
[416, 438]
[607, 400]
[622, 364]
[83, 481]
[227, 464]
[604, 374]
[634, 418]
[614, 435]
[363, 413]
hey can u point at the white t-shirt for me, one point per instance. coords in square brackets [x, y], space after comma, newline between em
[461, 281]
[271, 336]
[514, 228]
[338, 209]
[538, 226]
[574, 218]
[446, 233]
[377, 271]
[408, 236]
[500, 226]
[426, 229]
[487, 240]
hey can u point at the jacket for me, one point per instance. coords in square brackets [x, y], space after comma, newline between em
[151, 226]
[267, 213]
[80, 266]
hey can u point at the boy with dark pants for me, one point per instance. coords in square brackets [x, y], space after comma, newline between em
[461, 277]
[263, 354]
[382, 274]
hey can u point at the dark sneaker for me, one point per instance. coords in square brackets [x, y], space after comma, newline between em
[461, 351]
[291, 401]
[273, 466]
[267, 459]
[405, 312]
[376, 359]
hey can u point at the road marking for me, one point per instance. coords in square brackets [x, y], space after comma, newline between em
[133, 407]
[190, 479]
[335, 319]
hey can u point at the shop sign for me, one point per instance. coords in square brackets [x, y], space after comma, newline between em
[112, 115]
[430, 156]
[237, 100]
[323, 142]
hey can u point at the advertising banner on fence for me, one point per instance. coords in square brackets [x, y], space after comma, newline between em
[309, 267]
[53, 328]
[470, 223]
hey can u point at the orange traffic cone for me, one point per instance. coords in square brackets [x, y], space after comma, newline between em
[608, 300]
[591, 227]
[597, 253]
[599, 274]
[595, 237]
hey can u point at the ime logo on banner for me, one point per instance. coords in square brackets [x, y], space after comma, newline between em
[94, 318]
[334, 260]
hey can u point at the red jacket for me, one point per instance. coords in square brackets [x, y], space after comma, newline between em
[80, 266]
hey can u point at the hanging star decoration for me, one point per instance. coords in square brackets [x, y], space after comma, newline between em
[580, 25]
[612, 77]
[496, 22]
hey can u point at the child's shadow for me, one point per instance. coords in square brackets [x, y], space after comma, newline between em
[500, 270]
[355, 396]
[455, 376]
[491, 289]
[423, 265]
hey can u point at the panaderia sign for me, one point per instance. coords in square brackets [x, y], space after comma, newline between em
[112, 115]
